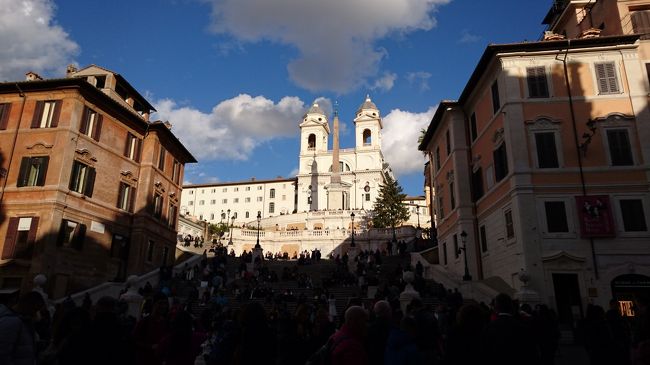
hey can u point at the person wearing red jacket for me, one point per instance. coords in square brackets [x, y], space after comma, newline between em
[348, 342]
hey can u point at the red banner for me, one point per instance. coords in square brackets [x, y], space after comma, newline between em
[596, 216]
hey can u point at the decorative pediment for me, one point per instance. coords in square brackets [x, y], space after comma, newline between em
[129, 177]
[173, 197]
[497, 138]
[40, 147]
[85, 156]
[159, 186]
[563, 255]
[614, 118]
[543, 122]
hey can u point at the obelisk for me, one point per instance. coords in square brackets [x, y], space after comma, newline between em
[336, 190]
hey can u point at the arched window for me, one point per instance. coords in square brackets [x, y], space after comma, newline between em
[272, 193]
[311, 142]
[343, 167]
[367, 137]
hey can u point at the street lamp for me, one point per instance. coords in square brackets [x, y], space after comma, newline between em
[220, 227]
[463, 238]
[417, 211]
[231, 226]
[259, 218]
[352, 219]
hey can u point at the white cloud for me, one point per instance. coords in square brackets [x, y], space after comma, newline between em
[400, 139]
[234, 127]
[467, 37]
[335, 39]
[419, 78]
[385, 82]
[293, 172]
[31, 40]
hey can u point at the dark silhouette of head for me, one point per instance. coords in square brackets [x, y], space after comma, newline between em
[503, 304]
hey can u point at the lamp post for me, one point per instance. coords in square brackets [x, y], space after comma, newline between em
[231, 226]
[463, 238]
[220, 227]
[259, 218]
[352, 219]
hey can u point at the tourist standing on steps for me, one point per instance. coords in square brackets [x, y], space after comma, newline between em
[17, 335]
[348, 348]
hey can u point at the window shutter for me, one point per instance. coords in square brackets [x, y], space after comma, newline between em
[5, 109]
[57, 113]
[38, 114]
[120, 195]
[129, 136]
[90, 182]
[83, 128]
[73, 174]
[10, 239]
[42, 171]
[61, 236]
[132, 200]
[138, 150]
[33, 228]
[22, 175]
[79, 237]
[612, 82]
[98, 127]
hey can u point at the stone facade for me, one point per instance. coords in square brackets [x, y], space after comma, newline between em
[543, 164]
[90, 187]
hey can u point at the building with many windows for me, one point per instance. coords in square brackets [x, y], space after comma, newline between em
[540, 169]
[239, 202]
[90, 188]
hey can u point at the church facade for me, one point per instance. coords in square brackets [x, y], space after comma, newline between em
[361, 168]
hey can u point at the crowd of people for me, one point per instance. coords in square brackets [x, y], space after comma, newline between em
[241, 319]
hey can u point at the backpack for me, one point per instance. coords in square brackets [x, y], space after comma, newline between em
[323, 356]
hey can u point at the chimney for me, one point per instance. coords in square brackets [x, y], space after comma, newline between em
[590, 33]
[550, 36]
[253, 178]
[32, 76]
[70, 70]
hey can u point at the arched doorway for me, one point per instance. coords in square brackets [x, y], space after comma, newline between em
[627, 288]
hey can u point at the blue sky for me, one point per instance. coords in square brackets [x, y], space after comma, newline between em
[234, 76]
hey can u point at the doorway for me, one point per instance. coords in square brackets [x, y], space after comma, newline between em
[567, 299]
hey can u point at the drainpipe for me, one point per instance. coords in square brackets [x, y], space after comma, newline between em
[13, 144]
[577, 145]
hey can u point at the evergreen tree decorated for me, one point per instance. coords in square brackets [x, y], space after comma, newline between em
[389, 210]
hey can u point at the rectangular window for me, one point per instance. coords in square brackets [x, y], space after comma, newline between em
[21, 234]
[91, 124]
[272, 193]
[190, 203]
[483, 235]
[33, 171]
[201, 202]
[158, 204]
[448, 141]
[477, 184]
[248, 188]
[368, 197]
[489, 177]
[456, 250]
[259, 198]
[271, 207]
[259, 188]
[224, 190]
[119, 246]
[436, 156]
[126, 197]
[5, 109]
[224, 201]
[510, 227]
[176, 172]
[236, 200]
[248, 215]
[633, 215]
[441, 208]
[496, 103]
[46, 114]
[248, 200]
[161, 158]
[606, 76]
[546, 150]
[72, 234]
[132, 147]
[213, 190]
[556, 218]
[82, 179]
[213, 201]
[472, 127]
[537, 84]
[444, 253]
[172, 213]
[500, 156]
[452, 196]
[620, 150]
[284, 197]
[150, 250]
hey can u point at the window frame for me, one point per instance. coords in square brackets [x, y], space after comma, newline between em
[26, 167]
[500, 174]
[133, 147]
[571, 220]
[5, 111]
[540, 80]
[85, 183]
[496, 98]
[162, 154]
[610, 160]
[509, 225]
[89, 126]
[620, 221]
[54, 112]
[126, 203]
[616, 76]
